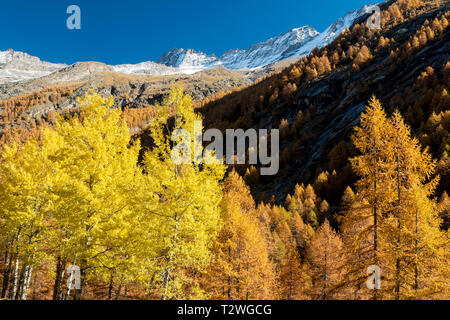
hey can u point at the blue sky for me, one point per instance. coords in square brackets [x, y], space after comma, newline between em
[131, 31]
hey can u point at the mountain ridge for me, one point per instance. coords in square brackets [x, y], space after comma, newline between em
[297, 42]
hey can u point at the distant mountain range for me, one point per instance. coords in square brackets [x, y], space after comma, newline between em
[18, 66]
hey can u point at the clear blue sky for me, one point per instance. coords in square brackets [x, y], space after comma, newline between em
[131, 31]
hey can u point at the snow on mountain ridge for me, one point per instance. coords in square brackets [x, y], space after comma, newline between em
[17, 66]
[188, 61]
[326, 37]
[298, 42]
[264, 53]
[260, 54]
[148, 67]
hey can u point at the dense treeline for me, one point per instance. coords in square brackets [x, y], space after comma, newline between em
[16, 118]
[78, 195]
[351, 51]
[18, 123]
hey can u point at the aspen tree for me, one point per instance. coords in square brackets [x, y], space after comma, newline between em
[26, 178]
[182, 199]
[94, 165]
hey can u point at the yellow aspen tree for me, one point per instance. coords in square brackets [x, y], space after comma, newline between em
[94, 165]
[183, 200]
[25, 198]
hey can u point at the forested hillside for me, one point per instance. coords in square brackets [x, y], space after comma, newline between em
[317, 101]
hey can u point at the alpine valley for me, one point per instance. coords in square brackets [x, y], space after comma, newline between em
[363, 115]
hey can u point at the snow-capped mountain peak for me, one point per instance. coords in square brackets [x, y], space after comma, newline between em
[267, 52]
[297, 42]
[187, 61]
[20, 60]
[345, 22]
[16, 66]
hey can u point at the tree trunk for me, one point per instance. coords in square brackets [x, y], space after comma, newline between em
[26, 282]
[169, 269]
[325, 275]
[67, 294]
[79, 292]
[375, 215]
[111, 286]
[166, 281]
[6, 273]
[69, 280]
[150, 285]
[229, 277]
[416, 244]
[399, 226]
[57, 287]
[56, 284]
[83, 266]
[15, 269]
[119, 289]
[290, 285]
[14, 278]
[125, 294]
[375, 207]
[21, 281]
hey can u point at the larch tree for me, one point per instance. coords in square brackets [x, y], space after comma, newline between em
[362, 56]
[347, 200]
[392, 211]
[374, 192]
[292, 275]
[325, 260]
[301, 232]
[413, 212]
[241, 268]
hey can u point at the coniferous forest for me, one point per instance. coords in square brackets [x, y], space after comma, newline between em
[96, 187]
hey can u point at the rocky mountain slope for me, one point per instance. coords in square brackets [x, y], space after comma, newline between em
[407, 66]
